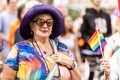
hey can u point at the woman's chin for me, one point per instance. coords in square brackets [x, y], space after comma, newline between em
[44, 36]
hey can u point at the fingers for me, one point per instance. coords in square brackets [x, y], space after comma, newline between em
[104, 63]
[106, 69]
[57, 57]
[105, 66]
[61, 59]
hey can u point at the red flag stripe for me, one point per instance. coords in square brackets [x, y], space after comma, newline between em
[118, 7]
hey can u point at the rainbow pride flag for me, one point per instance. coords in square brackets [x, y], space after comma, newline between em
[97, 42]
[119, 8]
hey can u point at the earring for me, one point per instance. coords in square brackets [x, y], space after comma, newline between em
[32, 32]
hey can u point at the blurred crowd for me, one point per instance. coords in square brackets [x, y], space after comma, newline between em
[78, 29]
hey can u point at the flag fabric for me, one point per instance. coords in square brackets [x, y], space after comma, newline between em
[97, 42]
[118, 7]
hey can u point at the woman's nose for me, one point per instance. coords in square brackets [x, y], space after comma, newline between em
[45, 25]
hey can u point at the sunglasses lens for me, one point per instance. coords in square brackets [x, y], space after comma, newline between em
[49, 22]
[41, 22]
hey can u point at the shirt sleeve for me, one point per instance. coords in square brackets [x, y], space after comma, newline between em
[12, 59]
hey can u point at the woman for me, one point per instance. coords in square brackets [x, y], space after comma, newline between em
[15, 25]
[40, 56]
[111, 68]
[113, 41]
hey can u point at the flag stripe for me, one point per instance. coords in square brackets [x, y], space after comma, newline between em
[94, 43]
[118, 7]
[97, 48]
[103, 44]
[97, 41]
[94, 46]
[101, 35]
[93, 37]
[98, 52]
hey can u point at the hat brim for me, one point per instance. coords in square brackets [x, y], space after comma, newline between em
[58, 25]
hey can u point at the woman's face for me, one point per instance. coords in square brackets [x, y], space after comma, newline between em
[42, 25]
[68, 22]
[13, 5]
[96, 2]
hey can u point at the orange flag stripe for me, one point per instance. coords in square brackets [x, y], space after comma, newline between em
[93, 38]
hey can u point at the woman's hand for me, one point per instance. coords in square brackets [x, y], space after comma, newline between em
[105, 66]
[62, 59]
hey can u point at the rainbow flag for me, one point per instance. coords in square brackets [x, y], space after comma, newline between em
[97, 42]
[118, 7]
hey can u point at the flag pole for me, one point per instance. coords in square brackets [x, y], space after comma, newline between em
[100, 43]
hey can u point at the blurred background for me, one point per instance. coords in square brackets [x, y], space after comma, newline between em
[75, 9]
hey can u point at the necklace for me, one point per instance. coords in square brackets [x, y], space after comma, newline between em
[38, 48]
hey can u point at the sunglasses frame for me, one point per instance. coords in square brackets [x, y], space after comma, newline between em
[41, 22]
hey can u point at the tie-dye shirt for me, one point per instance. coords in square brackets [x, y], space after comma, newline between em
[29, 64]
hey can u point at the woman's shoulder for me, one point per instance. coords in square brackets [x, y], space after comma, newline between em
[114, 38]
[114, 35]
[22, 43]
[117, 52]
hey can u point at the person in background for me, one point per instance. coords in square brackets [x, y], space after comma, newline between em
[6, 19]
[111, 67]
[113, 41]
[49, 2]
[14, 30]
[15, 26]
[35, 57]
[110, 62]
[17, 36]
[70, 39]
[94, 18]
[78, 22]
[2, 5]
[63, 9]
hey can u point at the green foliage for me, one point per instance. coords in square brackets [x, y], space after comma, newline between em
[73, 13]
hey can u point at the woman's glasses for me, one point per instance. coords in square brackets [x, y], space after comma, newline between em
[41, 22]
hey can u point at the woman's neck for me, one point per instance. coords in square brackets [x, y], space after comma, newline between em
[43, 45]
[41, 40]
